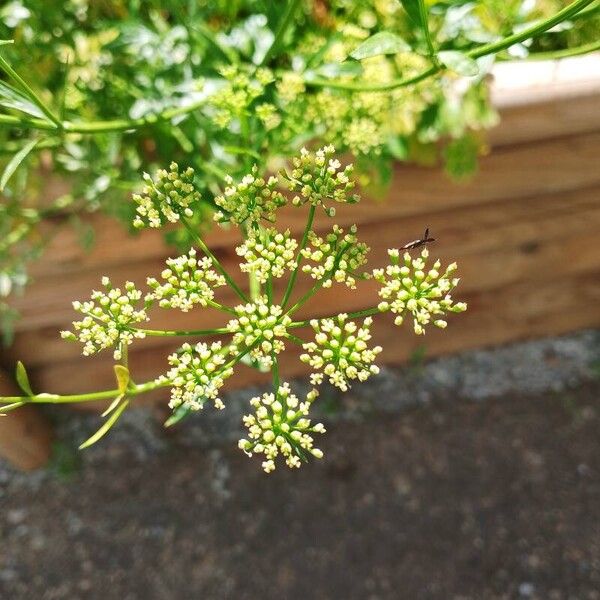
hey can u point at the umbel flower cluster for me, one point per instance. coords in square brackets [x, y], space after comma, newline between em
[258, 327]
[108, 319]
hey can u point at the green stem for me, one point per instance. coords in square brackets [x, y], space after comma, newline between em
[90, 397]
[100, 126]
[295, 338]
[221, 307]
[303, 242]
[181, 332]
[202, 245]
[425, 25]
[313, 290]
[558, 54]
[284, 23]
[275, 372]
[478, 52]
[320, 283]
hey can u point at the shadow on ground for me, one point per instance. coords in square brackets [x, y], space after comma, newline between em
[456, 500]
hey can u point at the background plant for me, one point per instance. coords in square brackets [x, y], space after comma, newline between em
[100, 91]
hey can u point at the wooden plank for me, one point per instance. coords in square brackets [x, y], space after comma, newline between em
[498, 246]
[527, 83]
[526, 123]
[25, 435]
[491, 232]
[510, 172]
[529, 309]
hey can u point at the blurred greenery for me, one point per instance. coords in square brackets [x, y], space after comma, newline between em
[245, 66]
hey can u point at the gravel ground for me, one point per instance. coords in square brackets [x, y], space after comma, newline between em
[469, 477]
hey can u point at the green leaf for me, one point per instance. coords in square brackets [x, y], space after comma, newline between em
[5, 42]
[412, 8]
[180, 413]
[8, 407]
[123, 377]
[15, 161]
[23, 379]
[459, 62]
[333, 70]
[112, 405]
[417, 11]
[383, 42]
[106, 427]
[11, 97]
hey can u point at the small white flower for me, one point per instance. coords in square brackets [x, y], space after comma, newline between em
[279, 426]
[167, 197]
[336, 257]
[261, 326]
[249, 201]
[197, 374]
[340, 351]
[317, 179]
[188, 280]
[411, 287]
[268, 252]
[109, 319]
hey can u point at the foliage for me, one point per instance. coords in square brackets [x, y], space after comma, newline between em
[98, 91]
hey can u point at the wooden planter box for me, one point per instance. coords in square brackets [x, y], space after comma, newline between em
[525, 232]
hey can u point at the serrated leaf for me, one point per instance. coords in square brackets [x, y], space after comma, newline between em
[459, 62]
[123, 377]
[106, 427]
[15, 161]
[23, 379]
[180, 413]
[383, 42]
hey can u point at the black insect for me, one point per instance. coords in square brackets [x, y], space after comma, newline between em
[418, 243]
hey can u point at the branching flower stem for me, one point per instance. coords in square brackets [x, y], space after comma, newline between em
[14, 402]
[303, 242]
[202, 245]
[181, 332]
[133, 390]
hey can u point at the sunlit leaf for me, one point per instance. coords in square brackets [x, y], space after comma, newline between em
[459, 62]
[383, 42]
[336, 70]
